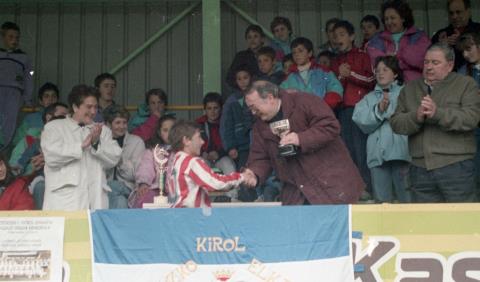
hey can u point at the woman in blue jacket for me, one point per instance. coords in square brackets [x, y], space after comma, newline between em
[387, 152]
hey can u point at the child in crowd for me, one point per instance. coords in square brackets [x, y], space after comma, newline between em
[330, 44]
[146, 119]
[352, 67]
[16, 81]
[306, 75]
[212, 149]
[255, 38]
[146, 175]
[13, 191]
[282, 32]
[325, 58]
[106, 84]
[23, 157]
[469, 45]
[387, 152]
[34, 156]
[236, 125]
[121, 178]
[370, 26]
[266, 64]
[189, 177]
[47, 94]
[27, 157]
[236, 121]
[287, 63]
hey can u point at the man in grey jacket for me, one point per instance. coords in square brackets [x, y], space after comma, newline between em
[439, 113]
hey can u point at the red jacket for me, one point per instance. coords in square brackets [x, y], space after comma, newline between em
[322, 172]
[211, 136]
[16, 196]
[361, 80]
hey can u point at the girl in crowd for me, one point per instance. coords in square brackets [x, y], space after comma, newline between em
[469, 44]
[121, 178]
[387, 152]
[14, 193]
[400, 38]
[146, 119]
[146, 176]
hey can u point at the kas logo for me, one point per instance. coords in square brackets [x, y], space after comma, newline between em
[219, 244]
[427, 267]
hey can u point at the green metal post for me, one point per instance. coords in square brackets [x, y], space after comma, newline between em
[248, 18]
[152, 39]
[212, 53]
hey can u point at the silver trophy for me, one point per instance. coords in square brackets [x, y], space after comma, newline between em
[281, 128]
[160, 155]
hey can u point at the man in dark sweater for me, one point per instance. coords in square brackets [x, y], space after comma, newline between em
[459, 16]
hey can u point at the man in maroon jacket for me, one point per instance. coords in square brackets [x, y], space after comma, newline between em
[321, 172]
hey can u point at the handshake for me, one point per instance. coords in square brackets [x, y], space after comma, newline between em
[249, 178]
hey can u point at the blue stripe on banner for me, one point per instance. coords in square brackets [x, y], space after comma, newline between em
[228, 236]
[357, 234]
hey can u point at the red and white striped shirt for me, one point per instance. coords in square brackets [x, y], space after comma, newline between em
[190, 178]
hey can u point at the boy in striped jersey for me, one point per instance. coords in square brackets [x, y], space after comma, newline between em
[189, 178]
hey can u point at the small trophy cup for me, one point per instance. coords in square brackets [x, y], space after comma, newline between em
[161, 159]
[280, 128]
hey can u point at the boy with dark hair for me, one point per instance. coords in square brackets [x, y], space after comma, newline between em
[15, 81]
[145, 121]
[287, 62]
[236, 125]
[47, 94]
[236, 121]
[370, 25]
[31, 140]
[267, 65]
[255, 38]
[352, 66]
[27, 157]
[329, 45]
[307, 76]
[325, 58]
[212, 149]
[189, 178]
[106, 84]
[282, 32]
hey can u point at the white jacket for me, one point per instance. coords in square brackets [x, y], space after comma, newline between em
[132, 152]
[75, 178]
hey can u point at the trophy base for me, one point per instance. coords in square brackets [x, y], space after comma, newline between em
[161, 200]
[287, 150]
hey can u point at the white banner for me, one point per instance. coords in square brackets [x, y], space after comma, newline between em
[31, 248]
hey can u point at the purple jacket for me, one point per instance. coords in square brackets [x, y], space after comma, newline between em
[323, 172]
[410, 53]
[146, 171]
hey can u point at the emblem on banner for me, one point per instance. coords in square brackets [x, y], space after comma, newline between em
[223, 275]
